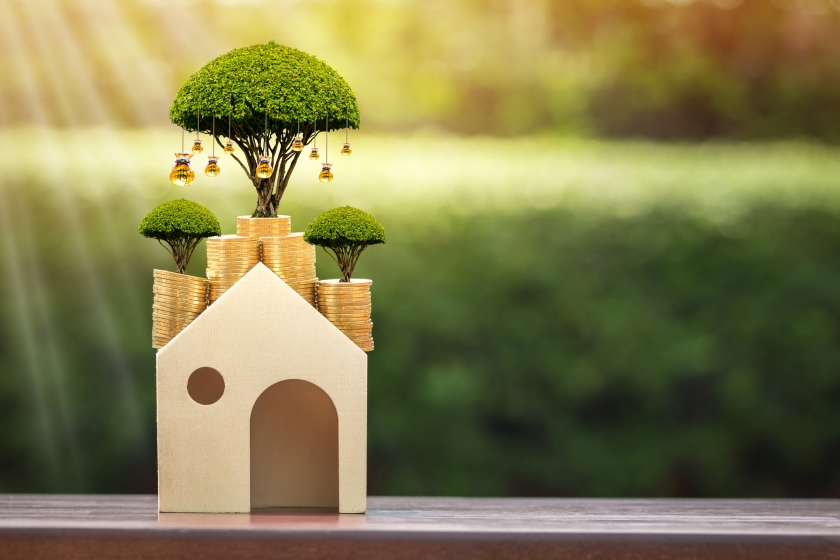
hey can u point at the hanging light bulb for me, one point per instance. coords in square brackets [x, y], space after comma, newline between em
[212, 168]
[197, 148]
[264, 169]
[297, 145]
[181, 174]
[314, 155]
[326, 174]
[229, 146]
[345, 150]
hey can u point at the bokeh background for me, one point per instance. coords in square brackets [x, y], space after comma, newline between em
[613, 259]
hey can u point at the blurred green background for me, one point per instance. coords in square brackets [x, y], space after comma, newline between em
[613, 259]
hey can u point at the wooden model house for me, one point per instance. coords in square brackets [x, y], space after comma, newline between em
[261, 402]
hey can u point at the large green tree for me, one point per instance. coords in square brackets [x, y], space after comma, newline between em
[270, 93]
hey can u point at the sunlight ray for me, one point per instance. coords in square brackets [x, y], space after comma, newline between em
[29, 342]
[122, 68]
[81, 78]
[22, 302]
[102, 314]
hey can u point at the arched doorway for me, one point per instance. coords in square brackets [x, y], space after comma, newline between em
[294, 447]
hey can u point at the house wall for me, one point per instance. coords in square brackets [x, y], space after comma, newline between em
[257, 334]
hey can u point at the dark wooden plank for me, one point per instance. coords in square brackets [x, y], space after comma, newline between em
[58, 527]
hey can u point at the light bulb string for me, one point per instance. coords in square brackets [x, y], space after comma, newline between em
[214, 135]
[266, 133]
[315, 138]
[346, 129]
[182, 139]
[197, 123]
[327, 141]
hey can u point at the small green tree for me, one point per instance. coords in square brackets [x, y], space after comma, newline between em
[270, 93]
[344, 233]
[179, 226]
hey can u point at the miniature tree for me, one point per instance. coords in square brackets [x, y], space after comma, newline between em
[344, 233]
[179, 226]
[271, 93]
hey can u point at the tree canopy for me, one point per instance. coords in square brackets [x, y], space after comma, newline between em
[344, 226]
[182, 218]
[287, 85]
[344, 233]
[180, 225]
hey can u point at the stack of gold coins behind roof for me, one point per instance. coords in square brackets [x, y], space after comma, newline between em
[292, 259]
[246, 226]
[229, 258]
[178, 300]
[347, 306]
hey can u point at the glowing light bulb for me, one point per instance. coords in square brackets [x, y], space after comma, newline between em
[197, 147]
[326, 173]
[229, 147]
[181, 174]
[346, 151]
[297, 145]
[212, 168]
[314, 154]
[264, 169]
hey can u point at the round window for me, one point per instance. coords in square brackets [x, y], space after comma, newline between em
[206, 385]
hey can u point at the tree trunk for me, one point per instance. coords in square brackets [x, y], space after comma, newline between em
[265, 206]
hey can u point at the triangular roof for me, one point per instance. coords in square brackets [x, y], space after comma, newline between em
[262, 306]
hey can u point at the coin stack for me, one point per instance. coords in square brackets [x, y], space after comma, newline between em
[246, 226]
[292, 259]
[229, 258]
[347, 306]
[179, 299]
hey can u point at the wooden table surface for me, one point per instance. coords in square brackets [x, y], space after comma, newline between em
[56, 527]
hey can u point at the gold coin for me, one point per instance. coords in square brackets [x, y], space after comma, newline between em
[178, 287]
[352, 323]
[175, 315]
[179, 294]
[287, 257]
[356, 317]
[194, 306]
[181, 303]
[350, 298]
[303, 257]
[351, 326]
[338, 302]
[253, 259]
[229, 238]
[352, 282]
[231, 270]
[173, 283]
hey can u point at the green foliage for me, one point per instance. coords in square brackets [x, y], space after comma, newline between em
[589, 348]
[180, 225]
[180, 219]
[345, 226]
[552, 353]
[290, 85]
[344, 233]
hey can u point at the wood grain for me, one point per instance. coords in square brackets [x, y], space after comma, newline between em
[258, 334]
[129, 527]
